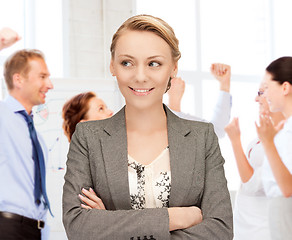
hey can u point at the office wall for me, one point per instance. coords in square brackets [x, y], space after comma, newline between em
[88, 29]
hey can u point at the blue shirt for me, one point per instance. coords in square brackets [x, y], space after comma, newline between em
[16, 163]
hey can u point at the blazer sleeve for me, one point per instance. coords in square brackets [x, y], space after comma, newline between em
[215, 202]
[95, 224]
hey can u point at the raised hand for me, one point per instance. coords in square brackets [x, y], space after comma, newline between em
[233, 130]
[175, 93]
[266, 130]
[222, 73]
[8, 37]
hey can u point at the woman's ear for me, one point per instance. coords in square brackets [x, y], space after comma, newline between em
[287, 88]
[175, 70]
[112, 69]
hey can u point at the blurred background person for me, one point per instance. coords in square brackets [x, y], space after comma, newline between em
[277, 168]
[23, 154]
[83, 107]
[250, 214]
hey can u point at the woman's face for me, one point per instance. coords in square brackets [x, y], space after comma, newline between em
[273, 93]
[97, 110]
[263, 104]
[143, 65]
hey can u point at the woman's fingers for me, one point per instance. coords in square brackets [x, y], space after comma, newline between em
[99, 201]
[91, 199]
[85, 206]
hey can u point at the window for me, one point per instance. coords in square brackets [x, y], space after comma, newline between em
[44, 34]
[247, 35]
[14, 21]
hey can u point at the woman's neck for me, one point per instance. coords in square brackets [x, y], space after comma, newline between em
[287, 111]
[151, 119]
[277, 117]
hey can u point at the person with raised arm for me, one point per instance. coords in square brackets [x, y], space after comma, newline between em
[23, 154]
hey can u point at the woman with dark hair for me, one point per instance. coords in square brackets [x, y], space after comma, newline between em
[277, 170]
[250, 212]
[83, 107]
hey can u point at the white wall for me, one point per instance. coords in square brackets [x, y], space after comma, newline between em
[89, 26]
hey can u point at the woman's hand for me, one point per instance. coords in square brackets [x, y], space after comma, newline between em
[184, 217]
[222, 73]
[91, 200]
[233, 130]
[266, 130]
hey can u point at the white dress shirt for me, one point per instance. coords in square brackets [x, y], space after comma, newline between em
[17, 165]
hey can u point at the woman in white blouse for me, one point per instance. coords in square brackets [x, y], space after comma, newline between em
[250, 215]
[277, 169]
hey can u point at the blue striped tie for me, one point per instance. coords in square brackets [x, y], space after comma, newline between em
[38, 157]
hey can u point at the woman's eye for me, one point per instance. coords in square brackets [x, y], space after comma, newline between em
[126, 63]
[154, 64]
[100, 109]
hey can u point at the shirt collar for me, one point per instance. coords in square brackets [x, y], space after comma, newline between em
[14, 104]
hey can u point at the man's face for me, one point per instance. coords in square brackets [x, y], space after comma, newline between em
[36, 83]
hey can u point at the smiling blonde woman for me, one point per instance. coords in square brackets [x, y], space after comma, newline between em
[155, 175]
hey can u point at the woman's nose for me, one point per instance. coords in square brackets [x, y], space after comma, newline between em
[141, 75]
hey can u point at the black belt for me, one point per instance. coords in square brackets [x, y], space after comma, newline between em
[39, 224]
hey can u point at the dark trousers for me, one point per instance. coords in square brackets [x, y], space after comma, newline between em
[11, 229]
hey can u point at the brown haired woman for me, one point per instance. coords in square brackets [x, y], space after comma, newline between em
[83, 107]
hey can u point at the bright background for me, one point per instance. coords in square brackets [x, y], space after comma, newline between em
[75, 36]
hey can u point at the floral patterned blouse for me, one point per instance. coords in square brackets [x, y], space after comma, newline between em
[150, 184]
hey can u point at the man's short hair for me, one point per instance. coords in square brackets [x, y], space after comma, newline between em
[19, 63]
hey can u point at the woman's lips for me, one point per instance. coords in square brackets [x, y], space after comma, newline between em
[141, 91]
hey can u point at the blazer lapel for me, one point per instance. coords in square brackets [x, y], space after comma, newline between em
[182, 159]
[115, 154]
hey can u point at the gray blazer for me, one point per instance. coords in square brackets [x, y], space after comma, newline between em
[97, 158]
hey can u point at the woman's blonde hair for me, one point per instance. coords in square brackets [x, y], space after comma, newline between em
[151, 24]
